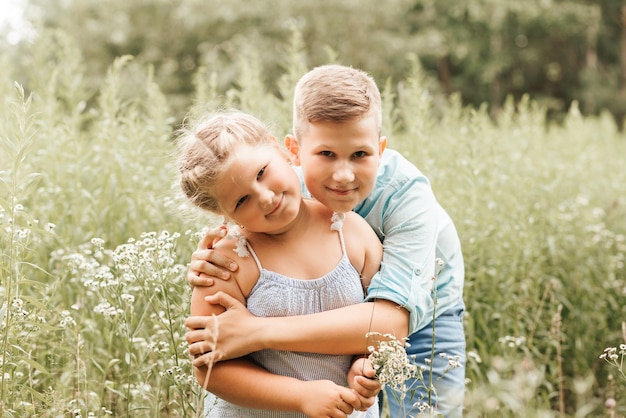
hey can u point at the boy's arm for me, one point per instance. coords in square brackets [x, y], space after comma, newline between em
[410, 233]
[341, 331]
[416, 232]
[338, 331]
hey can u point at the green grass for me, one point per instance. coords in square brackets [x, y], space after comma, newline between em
[95, 240]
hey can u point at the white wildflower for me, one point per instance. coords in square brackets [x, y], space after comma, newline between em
[130, 299]
[391, 362]
[17, 304]
[107, 310]
[66, 319]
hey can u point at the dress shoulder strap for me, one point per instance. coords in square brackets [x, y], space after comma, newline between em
[243, 247]
[337, 224]
[256, 258]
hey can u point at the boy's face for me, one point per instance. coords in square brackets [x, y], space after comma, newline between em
[339, 160]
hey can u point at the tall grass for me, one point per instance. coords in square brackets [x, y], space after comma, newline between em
[95, 242]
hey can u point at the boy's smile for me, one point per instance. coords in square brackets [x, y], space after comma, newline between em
[339, 160]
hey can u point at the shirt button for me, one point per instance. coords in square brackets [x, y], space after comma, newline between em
[417, 271]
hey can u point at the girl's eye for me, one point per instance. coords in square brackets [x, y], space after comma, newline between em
[326, 153]
[241, 202]
[360, 154]
[260, 173]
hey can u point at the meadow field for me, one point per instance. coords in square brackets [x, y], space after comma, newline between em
[95, 239]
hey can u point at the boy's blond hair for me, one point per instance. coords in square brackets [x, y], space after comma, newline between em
[205, 148]
[334, 93]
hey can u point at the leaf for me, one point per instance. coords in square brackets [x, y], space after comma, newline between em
[32, 363]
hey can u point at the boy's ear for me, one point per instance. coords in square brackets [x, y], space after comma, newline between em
[382, 144]
[294, 149]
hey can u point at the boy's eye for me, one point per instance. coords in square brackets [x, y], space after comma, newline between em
[260, 173]
[326, 153]
[360, 154]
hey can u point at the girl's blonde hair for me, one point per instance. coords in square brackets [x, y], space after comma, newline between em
[334, 93]
[205, 148]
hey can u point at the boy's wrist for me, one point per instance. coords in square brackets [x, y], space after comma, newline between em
[273, 333]
[269, 335]
[261, 335]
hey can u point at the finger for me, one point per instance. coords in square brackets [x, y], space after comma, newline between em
[199, 279]
[365, 401]
[201, 348]
[351, 400]
[195, 340]
[345, 407]
[207, 359]
[211, 264]
[221, 260]
[222, 231]
[368, 369]
[197, 323]
[225, 300]
[211, 237]
[366, 385]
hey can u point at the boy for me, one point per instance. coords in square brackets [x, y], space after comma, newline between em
[337, 117]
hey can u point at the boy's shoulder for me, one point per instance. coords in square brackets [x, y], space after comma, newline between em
[396, 158]
[395, 167]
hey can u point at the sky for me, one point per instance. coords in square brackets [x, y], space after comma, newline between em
[12, 25]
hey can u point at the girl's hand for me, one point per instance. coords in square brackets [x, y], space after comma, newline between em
[361, 381]
[325, 399]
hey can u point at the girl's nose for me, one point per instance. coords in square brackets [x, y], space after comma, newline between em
[266, 197]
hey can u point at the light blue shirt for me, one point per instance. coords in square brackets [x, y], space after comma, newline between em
[415, 231]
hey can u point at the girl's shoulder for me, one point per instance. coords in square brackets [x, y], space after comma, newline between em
[247, 272]
[354, 222]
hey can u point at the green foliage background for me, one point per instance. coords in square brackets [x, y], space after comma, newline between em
[556, 50]
[94, 294]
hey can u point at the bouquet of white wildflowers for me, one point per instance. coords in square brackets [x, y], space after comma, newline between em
[391, 362]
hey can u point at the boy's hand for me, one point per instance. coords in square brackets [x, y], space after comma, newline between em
[226, 336]
[206, 265]
[361, 381]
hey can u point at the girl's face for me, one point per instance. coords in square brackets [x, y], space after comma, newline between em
[259, 189]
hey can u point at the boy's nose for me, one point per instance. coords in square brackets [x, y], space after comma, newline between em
[343, 173]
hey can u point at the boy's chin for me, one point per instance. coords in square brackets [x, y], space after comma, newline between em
[339, 206]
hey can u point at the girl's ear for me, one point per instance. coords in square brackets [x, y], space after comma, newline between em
[294, 149]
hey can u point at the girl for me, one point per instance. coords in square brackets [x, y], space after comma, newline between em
[294, 260]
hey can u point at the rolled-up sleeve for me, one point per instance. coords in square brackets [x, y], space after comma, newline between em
[407, 213]
[415, 231]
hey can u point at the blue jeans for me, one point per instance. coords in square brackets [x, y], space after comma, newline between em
[447, 398]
